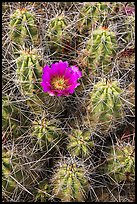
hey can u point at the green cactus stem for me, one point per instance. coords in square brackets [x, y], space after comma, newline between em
[121, 163]
[80, 143]
[28, 72]
[28, 75]
[15, 175]
[70, 182]
[23, 27]
[57, 32]
[93, 14]
[46, 132]
[105, 104]
[42, 192]
[101, 48]
[12, 118]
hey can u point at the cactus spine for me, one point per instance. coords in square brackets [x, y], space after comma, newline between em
[101, 48]
[23, 27]
[80, 143]
[121, 163]
[105, 104]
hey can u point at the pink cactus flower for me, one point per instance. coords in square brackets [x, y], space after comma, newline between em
[60, 79]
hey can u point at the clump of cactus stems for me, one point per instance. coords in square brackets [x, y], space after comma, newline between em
[69, 181]
[47, 132]
[57, 32]
[23, 28]
[121, 163]
[105, 104]
[80, 143]
[99, 51]
[51, 113]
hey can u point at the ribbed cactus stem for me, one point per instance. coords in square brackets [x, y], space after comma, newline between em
[28, 72]
[105, 103]
[80, 143]
[46, 132]
[93, 14]
[23, 27]
[121, 163]
[101, 49]
[69, 182]
[57, 32]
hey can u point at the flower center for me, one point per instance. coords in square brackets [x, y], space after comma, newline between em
[58, 83]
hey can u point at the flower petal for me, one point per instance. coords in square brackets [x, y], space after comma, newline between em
[73, 79]
[46, 69]
[46, 87]
[46, 77]
[51, 93]
[77, 71]
[62, 67]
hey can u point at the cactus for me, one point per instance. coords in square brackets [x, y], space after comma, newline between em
[28, 71]
[15, 176]
[42, 192]
[93, 14]
[121, 163]
[57, 32]
[69, 181]
[100, 48]
[12, 118]
[11, 172]
[46, 132]
[105, 104]
[28, 74]
[7, 181]
[80, 143]
[44, 119]
[23, 27]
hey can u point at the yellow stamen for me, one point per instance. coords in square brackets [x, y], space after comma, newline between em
[59, 83]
